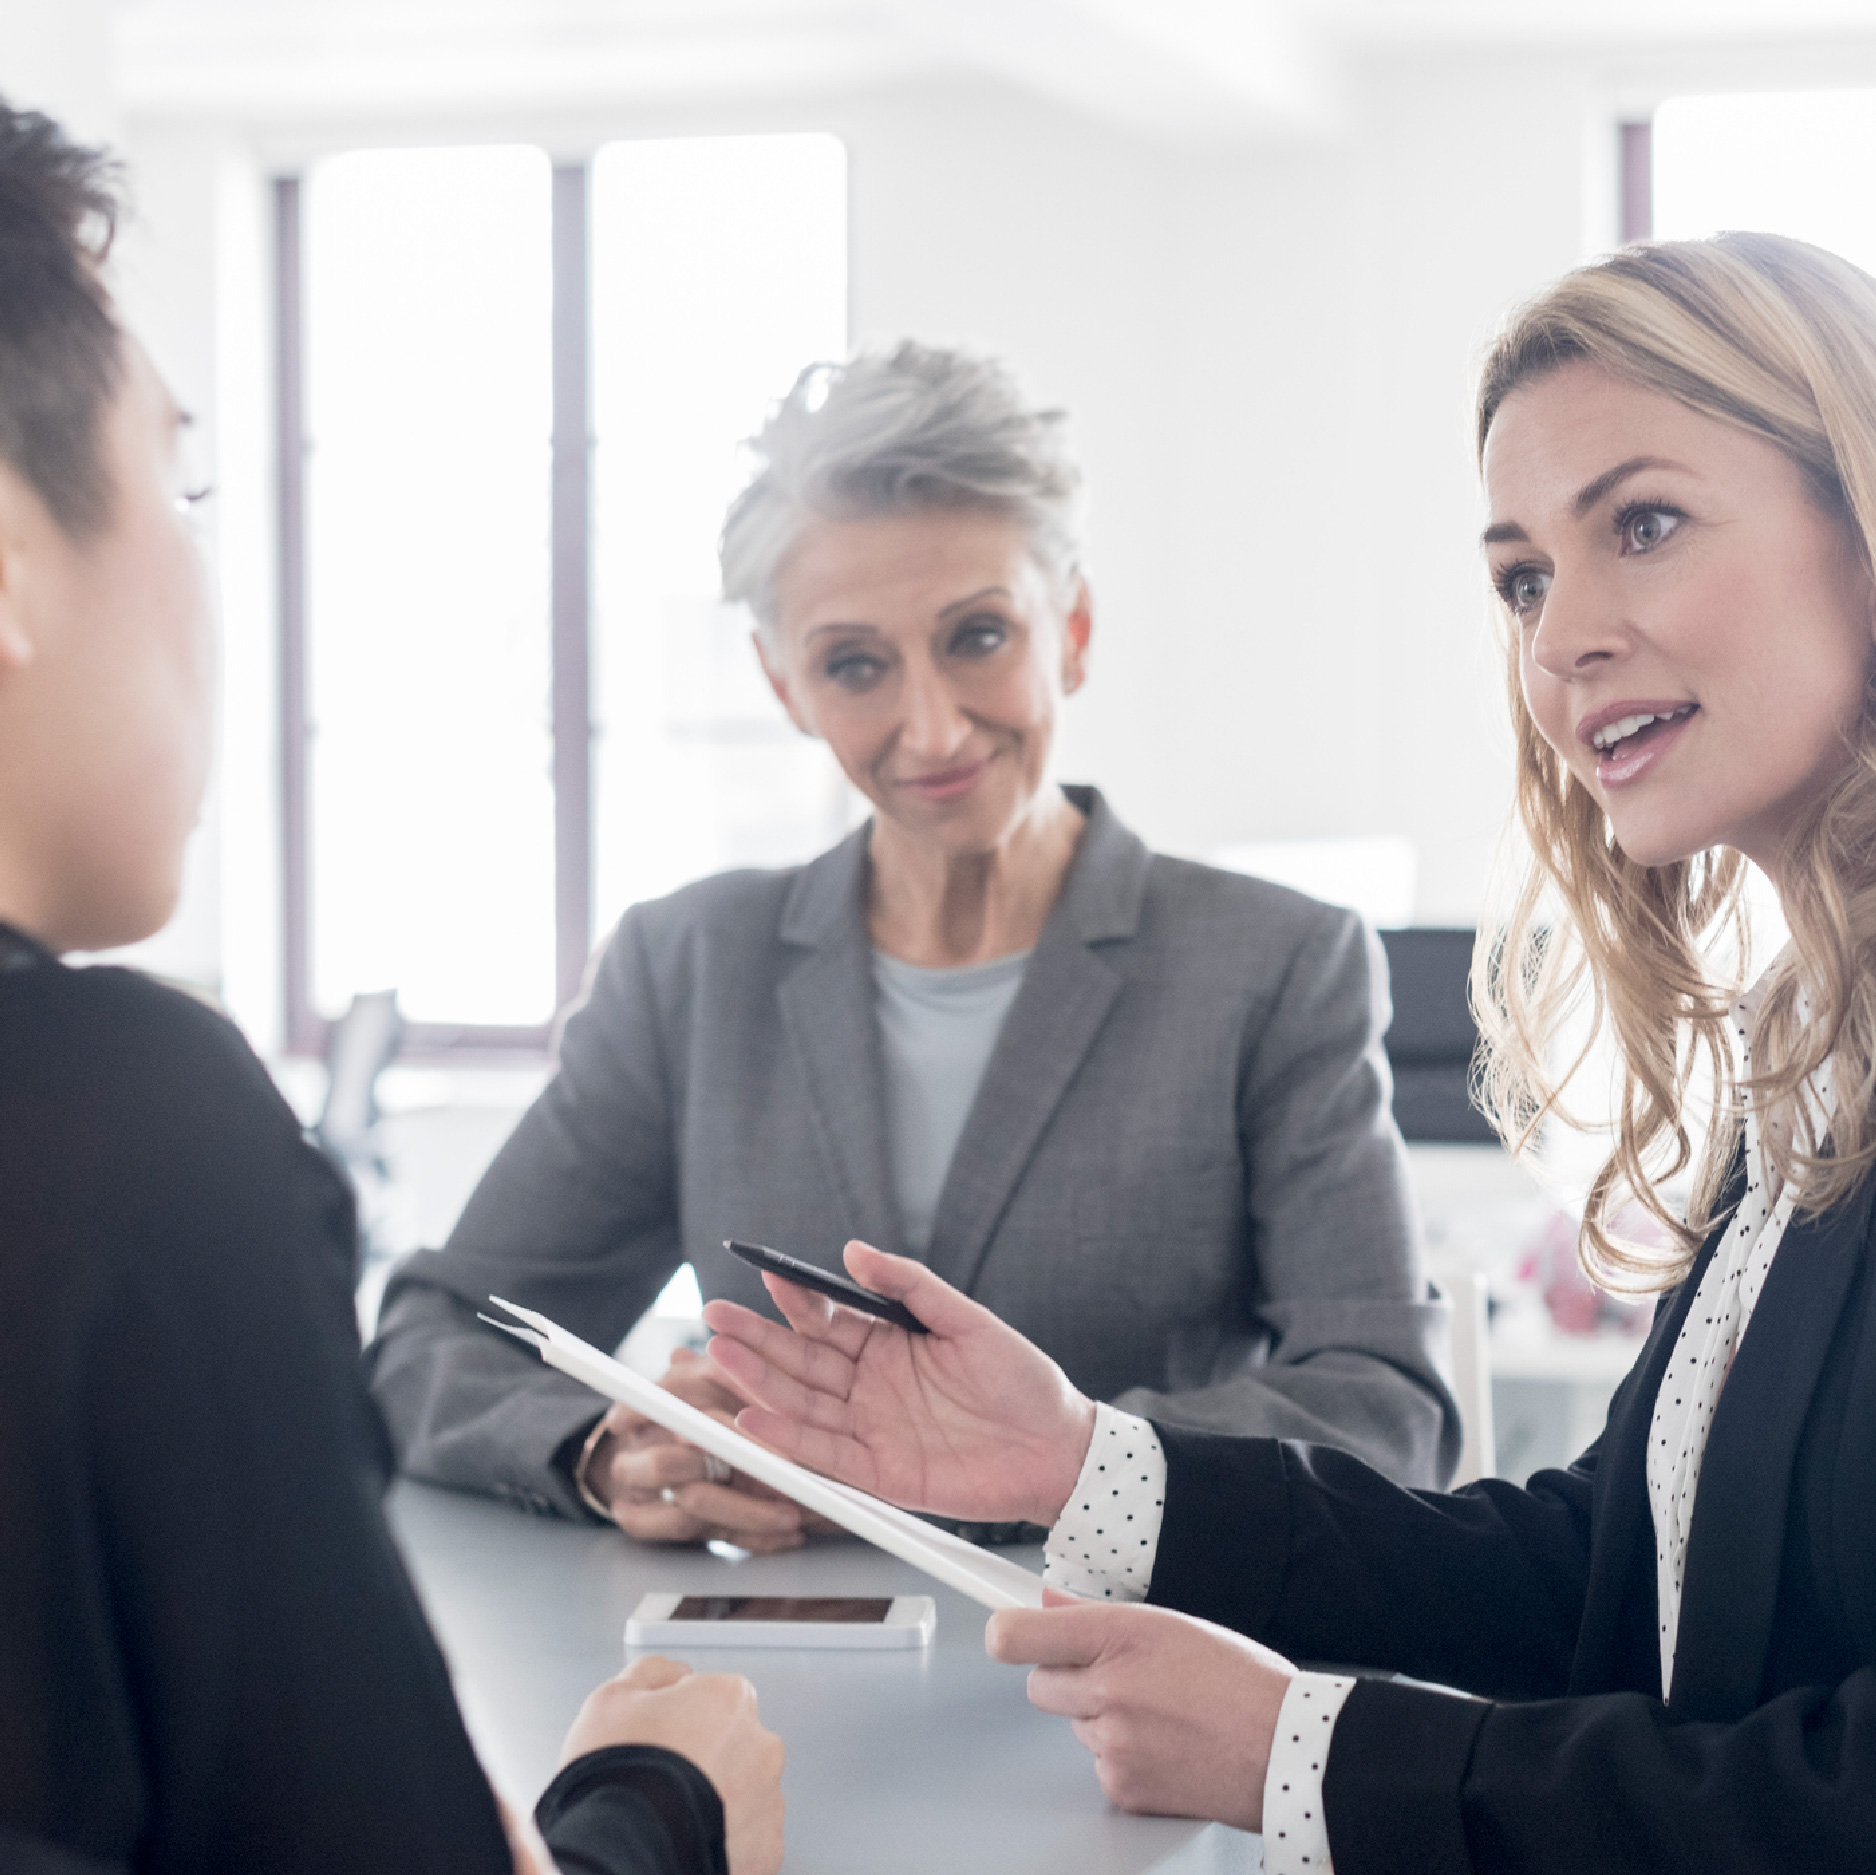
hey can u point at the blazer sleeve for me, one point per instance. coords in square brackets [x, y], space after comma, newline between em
[1344, 1342]
[1321, 1557]
[577, 1216]
[1606, 1782]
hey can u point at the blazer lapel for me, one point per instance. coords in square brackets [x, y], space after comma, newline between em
[1067, 992]
[1738, 1534]
[826, 1004]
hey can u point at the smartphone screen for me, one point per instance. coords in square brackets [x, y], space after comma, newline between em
[859, 1608]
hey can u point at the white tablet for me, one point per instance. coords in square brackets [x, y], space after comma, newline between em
[984, 1575]
[681, 1621]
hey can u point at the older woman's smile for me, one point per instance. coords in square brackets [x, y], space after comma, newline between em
[932, 651]
[947, 784]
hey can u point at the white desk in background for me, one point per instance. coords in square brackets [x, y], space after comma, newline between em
[914, 1763]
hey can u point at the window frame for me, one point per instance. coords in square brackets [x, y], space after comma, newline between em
[1635, 181]
[305, 1030]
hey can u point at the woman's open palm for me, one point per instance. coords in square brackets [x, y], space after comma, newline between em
[967, 1421]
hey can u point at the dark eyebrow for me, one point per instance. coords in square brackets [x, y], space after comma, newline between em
[1587, 496]
[1593, 492]
[959, 605]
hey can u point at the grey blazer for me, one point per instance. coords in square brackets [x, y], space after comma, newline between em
[1180, 1177]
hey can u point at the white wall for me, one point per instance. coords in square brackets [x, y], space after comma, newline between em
[1347, 680]
[56, 56]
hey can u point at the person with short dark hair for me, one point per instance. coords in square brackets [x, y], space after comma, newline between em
[211, 1658]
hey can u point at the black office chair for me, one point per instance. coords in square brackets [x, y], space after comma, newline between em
[1433, 1038]
[1431, 1044]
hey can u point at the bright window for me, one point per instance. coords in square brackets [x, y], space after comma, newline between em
[447, 316]
[428, 416]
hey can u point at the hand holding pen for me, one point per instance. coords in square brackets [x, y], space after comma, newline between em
[966, 1419]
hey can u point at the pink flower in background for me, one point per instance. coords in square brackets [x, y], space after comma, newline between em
[1575, 1305]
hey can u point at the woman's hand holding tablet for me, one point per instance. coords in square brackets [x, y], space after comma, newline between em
[970, 1420]
[1179, 1713]
[965, 1420]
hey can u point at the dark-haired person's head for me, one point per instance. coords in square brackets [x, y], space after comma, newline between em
[105, 654]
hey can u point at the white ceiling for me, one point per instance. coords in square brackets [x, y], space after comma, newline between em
[1587, 21]
[1189, 70]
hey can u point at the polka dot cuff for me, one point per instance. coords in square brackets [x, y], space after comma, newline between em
[1104, 1543]
[1296, 1835]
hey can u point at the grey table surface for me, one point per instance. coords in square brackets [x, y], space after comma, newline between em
[924, 1760]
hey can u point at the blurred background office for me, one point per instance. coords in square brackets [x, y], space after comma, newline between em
[473, 302]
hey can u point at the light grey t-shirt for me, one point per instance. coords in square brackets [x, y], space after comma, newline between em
[937, 1029]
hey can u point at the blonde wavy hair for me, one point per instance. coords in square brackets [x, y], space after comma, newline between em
[1780, 338]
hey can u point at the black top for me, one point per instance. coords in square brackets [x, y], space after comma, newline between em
[210, 1655]
[1542, 1600]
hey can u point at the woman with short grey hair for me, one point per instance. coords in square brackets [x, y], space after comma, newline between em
[900, 432]
[1137, 1107]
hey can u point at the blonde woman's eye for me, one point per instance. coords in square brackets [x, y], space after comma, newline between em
[1644, 529]
[1522, 588]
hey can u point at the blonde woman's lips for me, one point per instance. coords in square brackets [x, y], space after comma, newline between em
[1625, 757]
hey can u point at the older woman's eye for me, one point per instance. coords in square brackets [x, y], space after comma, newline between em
[855, 670]
[979, 635]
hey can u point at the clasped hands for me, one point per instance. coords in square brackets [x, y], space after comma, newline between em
[660, 1488]
[974, 1422]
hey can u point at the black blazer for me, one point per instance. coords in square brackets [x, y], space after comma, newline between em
[211, 1659]
[1542, 1601]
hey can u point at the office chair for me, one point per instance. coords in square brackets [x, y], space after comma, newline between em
[1432, 1039]
[359, 1046]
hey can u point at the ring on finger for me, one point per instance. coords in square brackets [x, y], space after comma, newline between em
[715, 1470]
[668, 1495]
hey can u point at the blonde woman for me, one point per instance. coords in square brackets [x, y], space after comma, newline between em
[1667, 1652]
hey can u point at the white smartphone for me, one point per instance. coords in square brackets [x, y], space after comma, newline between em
[782, 1621]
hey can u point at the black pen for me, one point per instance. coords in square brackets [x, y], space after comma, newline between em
[841, 1289]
